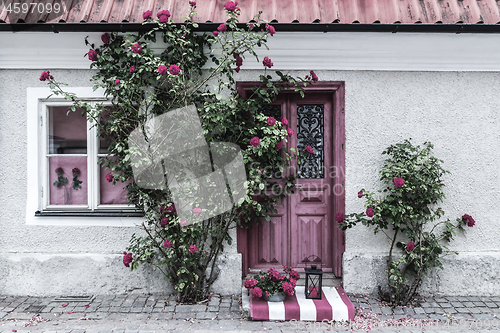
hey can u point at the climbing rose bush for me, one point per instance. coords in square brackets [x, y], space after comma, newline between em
[142, 83]
[407, 211]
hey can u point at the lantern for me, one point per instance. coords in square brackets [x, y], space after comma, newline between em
[314, 280]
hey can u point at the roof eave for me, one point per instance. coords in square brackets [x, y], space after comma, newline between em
[280, 27]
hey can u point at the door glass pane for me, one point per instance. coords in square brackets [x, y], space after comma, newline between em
[67, 131]
[272, 110]
[310, 132]
[64, 188]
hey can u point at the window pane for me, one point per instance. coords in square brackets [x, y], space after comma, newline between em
[62, 187]
[67, 133]
[109, 194]
[310, 127]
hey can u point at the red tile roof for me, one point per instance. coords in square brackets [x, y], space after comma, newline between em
[283, 11]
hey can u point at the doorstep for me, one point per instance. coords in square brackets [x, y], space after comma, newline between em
[334, 305]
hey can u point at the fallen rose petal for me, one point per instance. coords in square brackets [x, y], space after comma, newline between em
[64, 305]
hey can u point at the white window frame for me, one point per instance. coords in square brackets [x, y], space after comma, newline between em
[37, 175]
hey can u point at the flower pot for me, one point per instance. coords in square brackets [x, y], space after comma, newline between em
[279, 297]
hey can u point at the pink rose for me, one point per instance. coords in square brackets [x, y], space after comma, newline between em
[182, 222]
[469, 219]
[197, 211]
[162, 69]
[92, 55]
[270, 29]
[370, 212]
[45, 75]
[136, 48]
[410, 246]
[339, 217]
[279, 145]
[271, 121]
[360, 194]
[163, 16]
[193, 249]
[267, 62]
[309, 149]
[215, 33]
[284, 121]
[231, 6]
[168, 244]
[289, 131]
[109, 177]
[174, 69]
[222, 27]
[164, 221]
[127, 259]
[255, 141]
[105, 38]
[147, 15]
[131, 69]
[398, 182]
[117, 81]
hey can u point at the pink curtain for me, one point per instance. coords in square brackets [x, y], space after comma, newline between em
[65, 194]
[110, 194]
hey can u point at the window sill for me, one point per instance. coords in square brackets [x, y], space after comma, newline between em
[90, 214]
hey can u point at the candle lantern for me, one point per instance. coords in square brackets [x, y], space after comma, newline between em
[314, 279]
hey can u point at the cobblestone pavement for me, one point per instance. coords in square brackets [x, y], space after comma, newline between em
[147, 314]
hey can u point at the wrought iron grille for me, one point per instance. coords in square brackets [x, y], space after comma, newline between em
[310, 132]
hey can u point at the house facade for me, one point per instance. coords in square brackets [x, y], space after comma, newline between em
[387, 72]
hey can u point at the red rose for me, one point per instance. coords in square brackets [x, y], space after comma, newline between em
[127, 259]
[168, 244]
[174, 69]
[309, 149]
[289, 131]
[162, 69]
[215, 33]
[147, 15]
[314, 76]
[45, 75]
[370, 212]
[109, 177]
[267, 62]
[136, 48]
[192, 3]
[270, 29]
[163, 16]
[222, 27]
[255, 141]
[105, 38]
[164, 221]
[231, 6]
[339, 217]
[92, 55]
[398, 182]
[470, 221]
[117, 81]
[360, 194]
[131, 69]
[279, 145]
[193, 249]
[410, 246]
[284, 121]
[271, 121]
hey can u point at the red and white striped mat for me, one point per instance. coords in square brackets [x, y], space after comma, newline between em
[334, 305]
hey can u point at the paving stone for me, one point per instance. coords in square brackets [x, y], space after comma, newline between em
[420, 316]
[419, 310]
[206, 315]
[474, 298]
[441, 300]
[136, 310]
[190, 308]
[386, 311]
[457, 304]
[491, 304]
[450, 310]
[483, 316]
[398, 311]
[213, 309]
[183, 315]
[408, 311]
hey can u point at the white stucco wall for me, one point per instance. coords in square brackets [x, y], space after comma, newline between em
[455, 108]
[64, 260]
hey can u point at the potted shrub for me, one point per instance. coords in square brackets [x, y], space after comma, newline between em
[273, 286]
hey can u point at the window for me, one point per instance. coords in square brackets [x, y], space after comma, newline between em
[63, 169]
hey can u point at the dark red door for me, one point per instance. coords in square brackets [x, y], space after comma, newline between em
[304, 224]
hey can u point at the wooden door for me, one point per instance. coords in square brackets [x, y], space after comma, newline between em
[304, 224]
